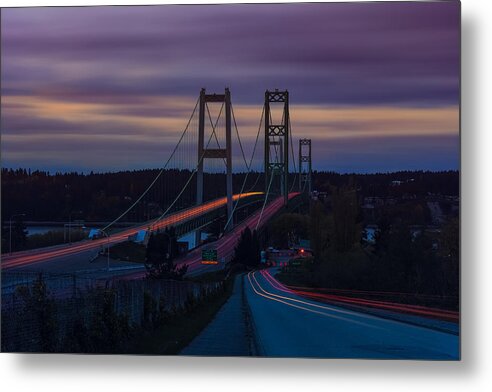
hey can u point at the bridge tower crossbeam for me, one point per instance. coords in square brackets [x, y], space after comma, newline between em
[305, 166]
[214, 153]
[277, 134]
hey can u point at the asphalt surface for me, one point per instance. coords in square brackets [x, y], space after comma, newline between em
[225, 245]
[59, 257]
[288, 325]
[78, 257]
[229, 333]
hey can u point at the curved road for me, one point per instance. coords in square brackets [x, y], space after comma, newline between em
[290, 325]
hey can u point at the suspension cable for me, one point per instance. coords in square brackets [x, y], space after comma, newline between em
[237, 133]
[190, 178]
[257, 135]
[304, 186]
[249, 167]
[211, 123]
[256, 182]
[264, 203]
[293, 157]
[158, 175]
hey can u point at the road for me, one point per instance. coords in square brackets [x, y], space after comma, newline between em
[225, 245]
[290, 325]
[84, 250]
[75, 258]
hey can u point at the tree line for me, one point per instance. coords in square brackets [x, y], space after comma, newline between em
[418, 183]
[407, 256]
[43, 196]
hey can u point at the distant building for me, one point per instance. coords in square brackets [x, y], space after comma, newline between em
[140, 237]
[95, 234]
[369, 234]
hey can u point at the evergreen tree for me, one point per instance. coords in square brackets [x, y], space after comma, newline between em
[248, 249]
[162, 249]
[19, 234]
[318, 229]
[345, 212]
[255, 250]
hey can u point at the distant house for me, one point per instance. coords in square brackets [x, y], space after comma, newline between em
[369, 234]
[140, 237]
[94, 234]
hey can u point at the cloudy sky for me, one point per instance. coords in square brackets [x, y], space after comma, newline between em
[375, 85]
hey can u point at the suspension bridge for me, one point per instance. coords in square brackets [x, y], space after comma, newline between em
[196, 186]
[206, 152]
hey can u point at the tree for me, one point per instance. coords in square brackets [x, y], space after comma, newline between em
[255, 257]
[243, 246]
[19, 234]
[381, 236]
[318, 229]
[345, 211]
[162, 249]
[39, 308]
[288, 228]
[247, 251]
[5, 236]
[450, 255]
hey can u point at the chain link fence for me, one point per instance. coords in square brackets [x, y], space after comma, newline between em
[69, 313]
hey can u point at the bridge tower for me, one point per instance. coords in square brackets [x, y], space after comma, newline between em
[277, 135]
[305, 168]
[214, 153]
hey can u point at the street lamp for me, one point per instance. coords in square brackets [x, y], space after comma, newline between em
[10, 231]
[70, 225]
[107, 235]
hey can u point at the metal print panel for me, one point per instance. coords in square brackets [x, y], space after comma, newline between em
[276, 180]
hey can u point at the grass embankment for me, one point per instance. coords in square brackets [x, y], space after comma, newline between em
[178, 330]
[351, 274]
[128, 251]
[348, 270]
[44, 240]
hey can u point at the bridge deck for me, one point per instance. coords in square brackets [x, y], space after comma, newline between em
[225, 245]
[25, 258]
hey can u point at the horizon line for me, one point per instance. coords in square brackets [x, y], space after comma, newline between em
[94, 172]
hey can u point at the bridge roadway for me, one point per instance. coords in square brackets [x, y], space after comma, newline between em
[55, 258]
[225, 245]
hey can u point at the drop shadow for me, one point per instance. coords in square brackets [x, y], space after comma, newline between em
[38, 364]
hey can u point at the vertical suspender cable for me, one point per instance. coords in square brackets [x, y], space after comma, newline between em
[158, 175]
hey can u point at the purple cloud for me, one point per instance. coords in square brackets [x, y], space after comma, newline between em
[402, 54]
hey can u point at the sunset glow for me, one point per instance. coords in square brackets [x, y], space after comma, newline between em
[109, 88]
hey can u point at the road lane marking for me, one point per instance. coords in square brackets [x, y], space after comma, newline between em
[284, 300]
[326, 307]
[414, 310]
[407, 332]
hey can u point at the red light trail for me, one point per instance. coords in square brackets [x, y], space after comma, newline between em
[39, 255]
[416, 310]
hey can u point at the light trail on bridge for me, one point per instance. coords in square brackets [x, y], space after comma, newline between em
[225, 246]
[24, 258]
